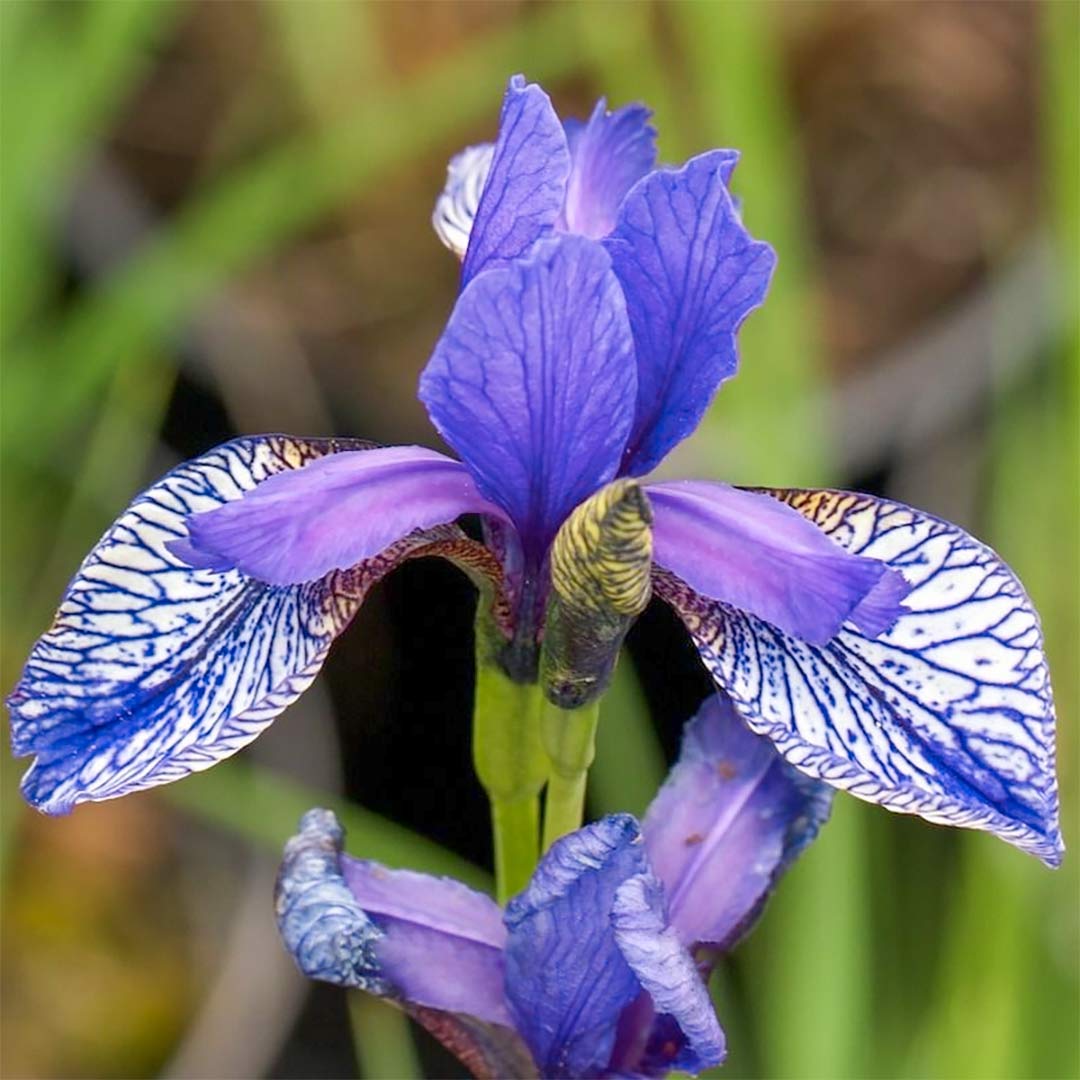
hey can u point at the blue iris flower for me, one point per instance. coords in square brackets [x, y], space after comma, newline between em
[881, 649]
[598, 968]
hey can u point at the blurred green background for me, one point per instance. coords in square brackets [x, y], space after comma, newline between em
[214, 219]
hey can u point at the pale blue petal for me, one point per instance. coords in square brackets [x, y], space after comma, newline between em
[948, 715]
[323, 927]
[729, 819]
[668, 974]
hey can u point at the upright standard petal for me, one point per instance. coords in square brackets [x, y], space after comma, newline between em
[526, 182]
[609, 154]
[152, 669]
[727, 822]
[948, 715]
[566, 978]
[331, 514]
[533, 382]
[761, 556]
[691, 273]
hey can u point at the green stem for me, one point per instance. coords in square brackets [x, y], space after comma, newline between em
[510, 763]
[569, 738]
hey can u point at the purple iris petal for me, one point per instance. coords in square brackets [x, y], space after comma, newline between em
[331, 514]
[153, 670]
[728, 820]
[533, 382]
[691, 273]
[566, 978]
[752, 552]
[526, 184]
[441, 943]
[652, 948]
[609, 154]
[949, 714]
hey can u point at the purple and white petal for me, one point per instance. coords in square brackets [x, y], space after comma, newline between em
[667, 972]
[609, 154]
[331, 514]
[691, 273]
[533, 383]
[754, 553]
[441, 943]
[566, 978]
[526, 183]
[455, 208]
[948, 715]
[727, 822]
[322, 925]
[153, 670]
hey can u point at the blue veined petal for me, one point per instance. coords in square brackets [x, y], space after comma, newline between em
[455, 208]
[533, 382]
[323, 927]
[948, 715]
[566, 979]
[153, 670]
[691, 273]
[525, 189]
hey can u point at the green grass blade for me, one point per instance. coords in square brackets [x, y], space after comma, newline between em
[265, 807]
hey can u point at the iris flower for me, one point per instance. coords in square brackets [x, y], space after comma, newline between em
[880, 649]
[598, 967]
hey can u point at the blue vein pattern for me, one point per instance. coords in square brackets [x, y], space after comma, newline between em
[152, 670]
[948, 715]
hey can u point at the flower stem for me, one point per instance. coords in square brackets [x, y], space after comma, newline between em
[509, 761]
[569, 738]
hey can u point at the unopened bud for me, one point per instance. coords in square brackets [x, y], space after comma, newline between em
[600, 582]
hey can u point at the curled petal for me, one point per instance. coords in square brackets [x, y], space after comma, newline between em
[455, 209]
[948, 715]
[757, 554]
[331, 514]
[153, 670]
[727, 822]
[526, 182]
[669, 975]
[320, 900]
[566, 978]
[691, 273]
[533, 383]
[609, 154]
[322, 925]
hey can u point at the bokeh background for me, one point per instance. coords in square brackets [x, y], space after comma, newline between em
[215, 220]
